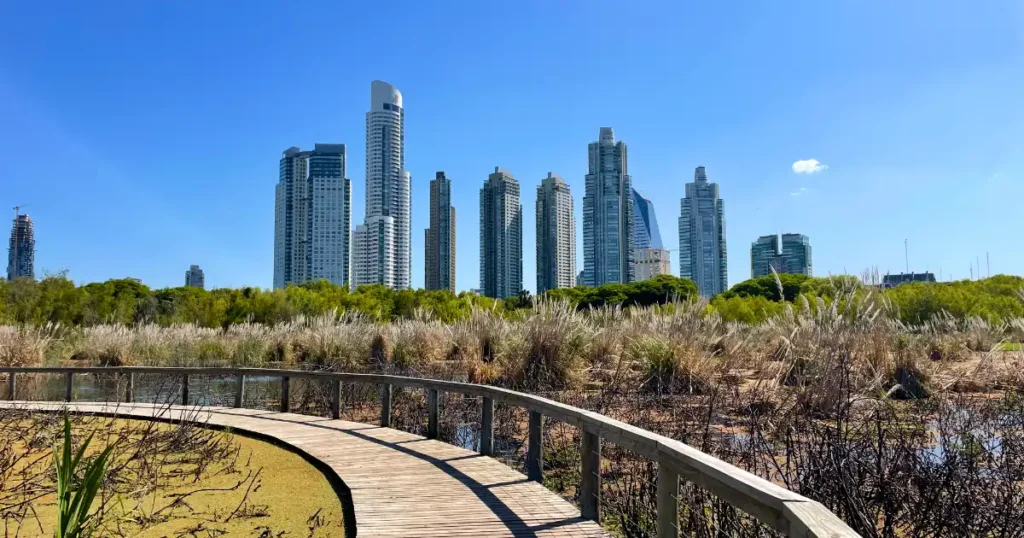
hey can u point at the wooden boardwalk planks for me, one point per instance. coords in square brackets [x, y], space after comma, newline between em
[402, 485]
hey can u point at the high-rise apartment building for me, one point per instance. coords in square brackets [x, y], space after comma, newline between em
[194, 277]
[440, 237]
[556, 235]
[382, 242]
[646, 233]
[21, 252]
[651, 262]
[796, 250]
[794, 256]
[312, 216]
[501, 236]
[607, 213]
[702, 252]
[765, 256]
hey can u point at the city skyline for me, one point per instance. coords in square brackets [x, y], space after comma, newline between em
[789, 127]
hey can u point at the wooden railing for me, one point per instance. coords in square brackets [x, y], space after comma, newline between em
[771, 504]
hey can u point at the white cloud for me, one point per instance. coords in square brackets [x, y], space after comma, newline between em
[798, 192]
[808, 166]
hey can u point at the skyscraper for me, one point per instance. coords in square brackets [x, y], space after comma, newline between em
[646, 233]
[764, 256]
[440, 237]
[21, 253]
[194, 277]
[607, 214]
[501, 236]
[793, 258]
[702, 252]
[382, 242]
[312, 216]
[796, 250]
[556, 235]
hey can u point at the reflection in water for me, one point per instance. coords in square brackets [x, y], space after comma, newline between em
[468, 436]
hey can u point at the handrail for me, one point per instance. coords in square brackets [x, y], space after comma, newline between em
[771, 504]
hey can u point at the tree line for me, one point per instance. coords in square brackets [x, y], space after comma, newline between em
[56, 299]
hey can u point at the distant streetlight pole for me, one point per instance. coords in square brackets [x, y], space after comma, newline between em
[906, 254]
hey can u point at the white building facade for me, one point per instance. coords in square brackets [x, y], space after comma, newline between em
[384, 239]
[374, 258]
[650, 262]
[312, 216]
[556, 235]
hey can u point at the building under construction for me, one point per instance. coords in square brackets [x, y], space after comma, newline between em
[21, 253]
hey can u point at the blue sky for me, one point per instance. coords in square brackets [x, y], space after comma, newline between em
[145, 136]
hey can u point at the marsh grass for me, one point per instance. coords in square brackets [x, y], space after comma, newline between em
[837, 400]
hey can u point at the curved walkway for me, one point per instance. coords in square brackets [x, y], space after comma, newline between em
[401, 484]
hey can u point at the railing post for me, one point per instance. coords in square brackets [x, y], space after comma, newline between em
[129, 389]
[336, 399]
[534, 455]
[184, 389]
[385, 406]
[240, 391]
[69, 385]
[668, 506]
[285, 393]
[432, 409]
[11, 385]
[487, 428]
[590, 477]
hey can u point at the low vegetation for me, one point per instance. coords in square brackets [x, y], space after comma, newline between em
[898, 409]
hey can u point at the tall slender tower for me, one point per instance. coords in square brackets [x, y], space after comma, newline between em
[312, 216]
[383, 240]
[21, 254]
[501, 236]
[607, 214]
[439, 266]
[702, 256]
[556, 235]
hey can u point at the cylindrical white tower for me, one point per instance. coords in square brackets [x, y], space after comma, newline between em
[388, 188]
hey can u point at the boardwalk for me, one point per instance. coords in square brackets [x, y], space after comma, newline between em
[401, 484]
